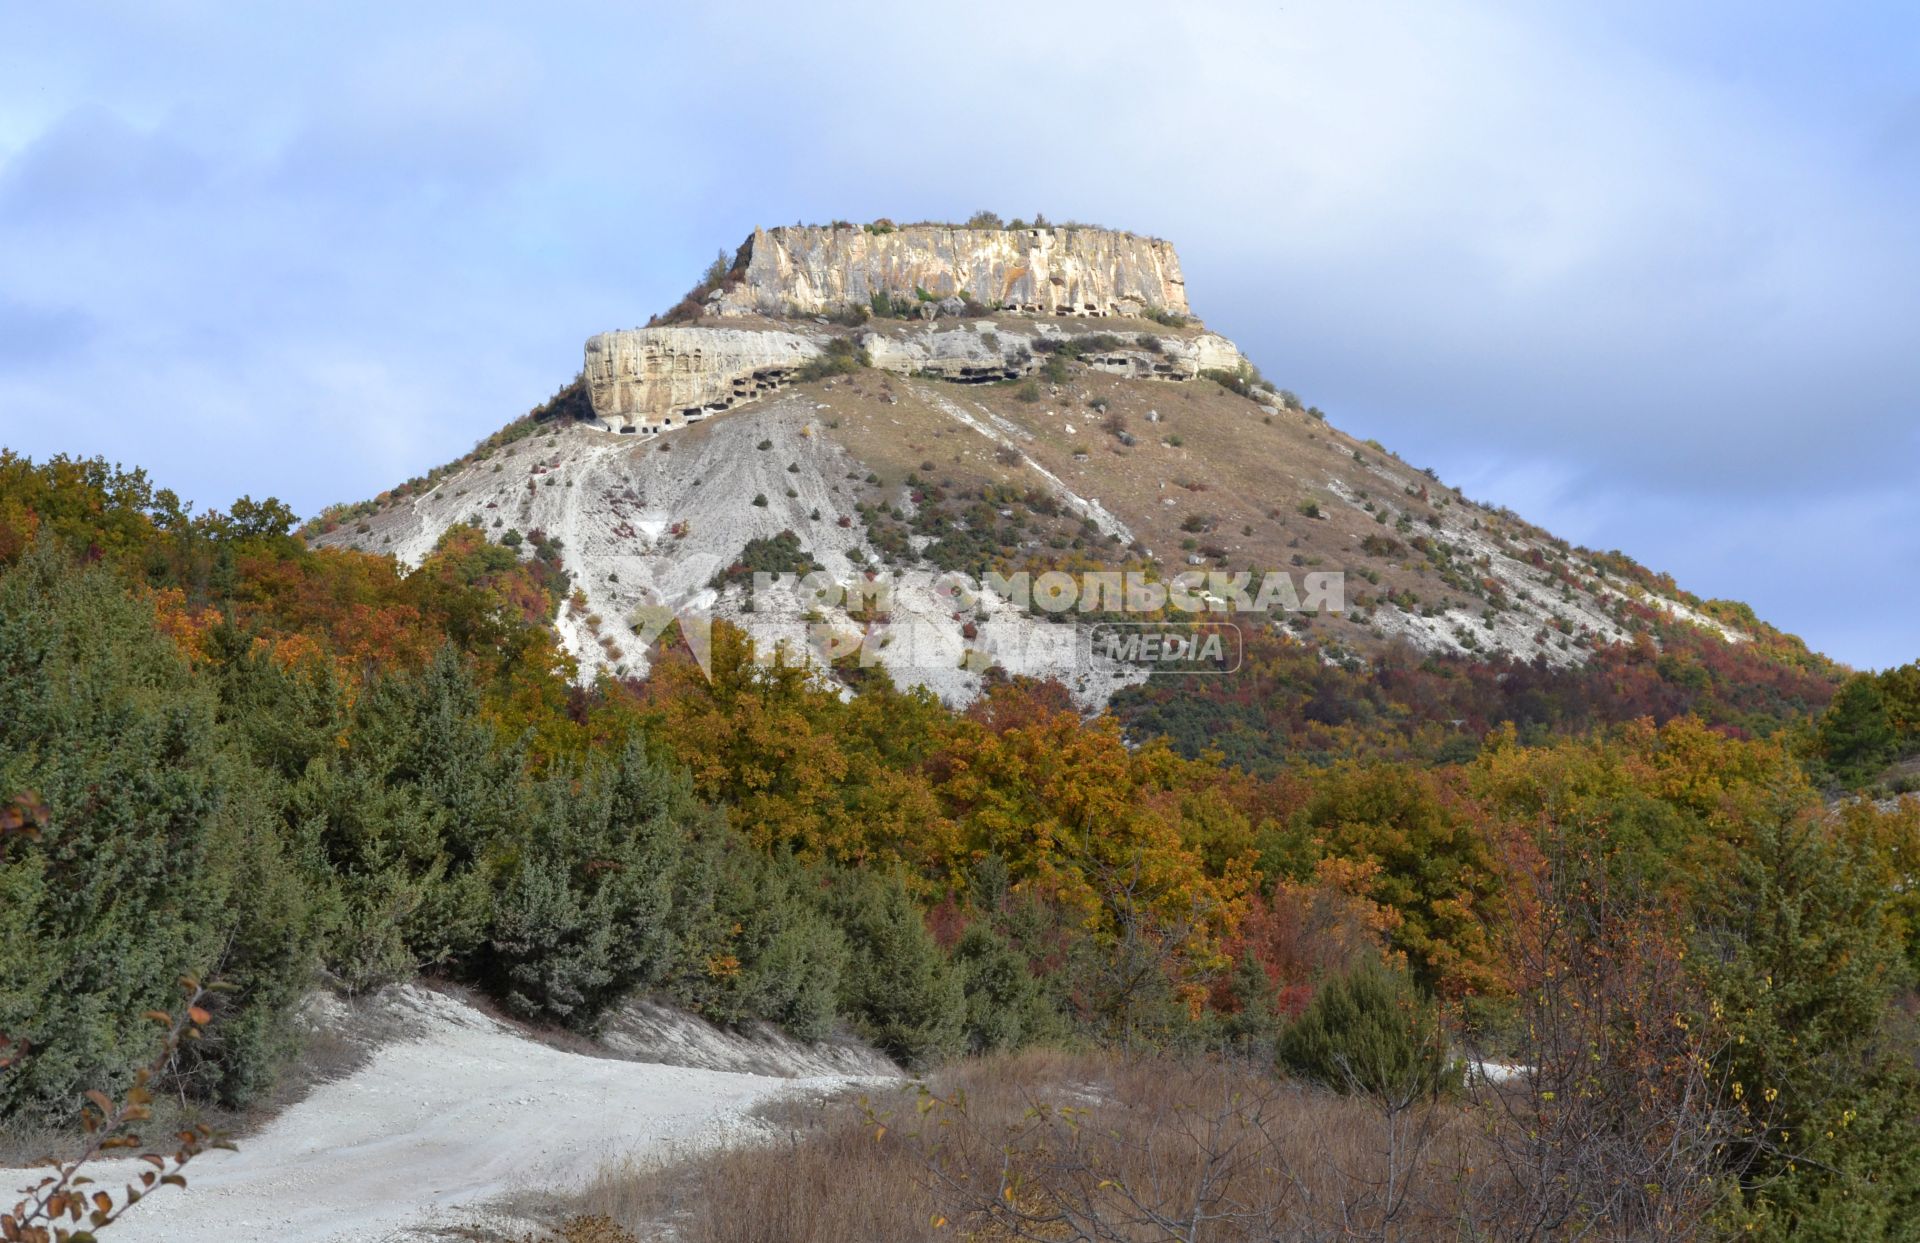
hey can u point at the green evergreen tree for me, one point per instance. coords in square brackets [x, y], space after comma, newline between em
[156, 859]
[1254, 1023]
[772, 953]
[899, 988]
[1006, 1007]
[587, 912]
[1856, 735]
[410, 818]
[1372, 1032]
[1804, 967]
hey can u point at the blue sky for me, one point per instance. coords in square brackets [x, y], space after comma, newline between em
[1649, 274]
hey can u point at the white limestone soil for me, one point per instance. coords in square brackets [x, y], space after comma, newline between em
[462, 1112]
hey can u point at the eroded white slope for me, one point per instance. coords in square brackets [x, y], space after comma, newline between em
[645, 522]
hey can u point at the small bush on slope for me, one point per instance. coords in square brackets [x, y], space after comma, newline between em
[842, 356]
[1371, 1032]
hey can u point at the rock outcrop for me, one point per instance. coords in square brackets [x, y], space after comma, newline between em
[651, 379]
[813, 270]
[648, 379]
[985, 351]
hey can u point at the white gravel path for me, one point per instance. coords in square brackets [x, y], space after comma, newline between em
[434, 1126]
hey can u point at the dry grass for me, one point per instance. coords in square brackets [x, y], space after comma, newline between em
[1047, 1145]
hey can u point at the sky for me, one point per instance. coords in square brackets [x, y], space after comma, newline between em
[1648, 274]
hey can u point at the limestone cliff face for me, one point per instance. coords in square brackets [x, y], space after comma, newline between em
[647, 379]
[985, 351]
[651, 379]
[1092, 272]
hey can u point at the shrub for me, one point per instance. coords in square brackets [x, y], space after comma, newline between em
[760, 499]
[694, 304]
[54, 1206]
[1006, 1006]
[1028, 391]
[779, 554]
[1243, 380]
[1370, 1032]
[843, 356]
[852, 316]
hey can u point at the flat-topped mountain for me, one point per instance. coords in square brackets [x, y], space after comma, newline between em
[988, 400]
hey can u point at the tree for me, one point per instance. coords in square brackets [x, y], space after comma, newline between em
[899, 988]
[1613, 1115]
[1254, 1021]
[1802, 964]
[1371, 1032]
[1005, 1005]
[1421, 853]
[1856, 735]
[154, 859]
[587, 911]
[409, 819]
[773, 953]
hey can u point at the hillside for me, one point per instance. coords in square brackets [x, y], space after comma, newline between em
[914, 429]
